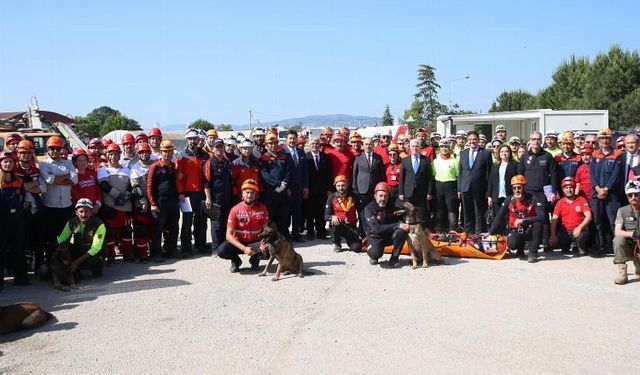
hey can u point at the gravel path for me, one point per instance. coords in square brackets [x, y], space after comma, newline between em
[192, 316]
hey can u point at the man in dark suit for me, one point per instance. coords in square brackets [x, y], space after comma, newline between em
[299, 183]
[475, 166]
[319, 169]
[368, 170]
[416, 179]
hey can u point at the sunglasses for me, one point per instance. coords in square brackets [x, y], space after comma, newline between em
[55, 149]
[633, 195]
[517, 187]
[591, 142]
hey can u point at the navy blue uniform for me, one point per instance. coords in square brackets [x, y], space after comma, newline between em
[275, 169]
[605, 172]
[217, 178]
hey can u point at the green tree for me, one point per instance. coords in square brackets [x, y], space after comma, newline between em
[387, 119]
[87, 127]
[201, 124]
[567, 89]
[118, 122]
[415, 112]
[428, 93]
[225, 128]
[516, 100]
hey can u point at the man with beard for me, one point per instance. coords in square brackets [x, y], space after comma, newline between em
[525, 214]
[129, 156]
[583, 176]
[191, 179]
[246, 221]
[114, 180]
[217, 190]
[567, 160]
[384, 227]
[551, 143]
[230, 148]
[356, 143]
[155, 138]
[340, 212]
[501, 133]
[276, 169]
[381, 149]
[258, 135]
[627, 233]
[570, 220]
[212, 135]
[319, 188]
[245, 167]
[141, 209]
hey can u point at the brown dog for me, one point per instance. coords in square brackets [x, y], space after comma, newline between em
[418, 238]
[62, 278]
[23, 315]
[280, 248]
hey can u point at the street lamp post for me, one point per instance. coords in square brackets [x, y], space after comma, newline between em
[454, 80]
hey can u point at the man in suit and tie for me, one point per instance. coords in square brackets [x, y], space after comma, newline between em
[474, 169]
[319, 189]
[368, 170]
[416, 179]
[628, 160]
[299, 183]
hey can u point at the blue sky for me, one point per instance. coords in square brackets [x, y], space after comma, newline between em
[174, 61]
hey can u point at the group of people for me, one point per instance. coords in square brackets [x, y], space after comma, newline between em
[554, 191]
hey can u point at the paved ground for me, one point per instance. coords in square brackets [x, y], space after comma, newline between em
[469, 316]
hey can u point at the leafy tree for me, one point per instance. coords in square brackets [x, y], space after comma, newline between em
[118, 122]
[428, 93]
[225, 128]
[516, 100]
[103, 113]
[415, 112]
[387, 119]
[87, 127]
[201, 124]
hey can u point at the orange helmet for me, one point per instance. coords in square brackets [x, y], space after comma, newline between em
[271, 138]
[604, 133]
[568, 181]
[25, 146]
[518, 180]
[250, 184]
[143, 147]
[128, 138]
[55, 141]
[381, 186]
[339, 178]
[328, 132]
[113, 148]
[155, 132]
[393, 147]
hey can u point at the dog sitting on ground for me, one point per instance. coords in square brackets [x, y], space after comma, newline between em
[280, 248]
[23, 315]
[418, 238]
[59, 268]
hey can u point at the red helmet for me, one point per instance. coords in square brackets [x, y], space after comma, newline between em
[96, 142]
[128, 138]
[586, 149]
[6, 154]
[93, 153]
[55, 141]
[155, 132]
[106, 142]
[78, 152]
[143, 146]
[14, 137]
[382, 186]
[141, 138]
[568, 181]
[113, 148]
[302, 140]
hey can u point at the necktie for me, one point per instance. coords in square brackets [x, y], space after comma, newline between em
[369, 158]
[472, 157]
[294, 154]
[315, 159]
[416, 164]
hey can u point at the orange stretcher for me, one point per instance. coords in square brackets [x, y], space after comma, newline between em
[459, 245]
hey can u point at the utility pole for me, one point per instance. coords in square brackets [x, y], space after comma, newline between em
[250, 127]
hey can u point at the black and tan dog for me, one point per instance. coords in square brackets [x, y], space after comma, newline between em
[280, 248]
[23, 315]
[63, 279]
[418, 238]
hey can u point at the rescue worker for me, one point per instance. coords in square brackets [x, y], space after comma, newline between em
[620, 143]
[276, 171]
[27, 170]
[142, 221]
[402, 147]
[202, 139]
[525, 214]
[341, 213]
[155, 138]
[445, 172]
[212, 135]
[606, 177]
[384, 227]
[12, 144]
[129, 156]
[551, 143]
[583, 176]
[302, 142]
[114, 180]
[381, 149]
[88, 233]
[58, 176]
[244, 168]
[392, 171]
[163, 192]
[570, 221]
[514, 143]
[482, 141]
[461, 141]
[356, 144]
[326, 136]
[567, 160]
[141, 138]
[341, 159]
[425, 148]
[246, 221]
[217, 190]
[501, 133]
[11, 222]
[578, 140]
[230, 149]
[191, 165]
[258, 136]
[87, 186]
[627, 234]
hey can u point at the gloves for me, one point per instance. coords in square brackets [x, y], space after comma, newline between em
[123, 198]
[283, 185]
[636, 234]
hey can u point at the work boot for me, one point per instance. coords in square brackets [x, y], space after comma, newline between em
[337, 248]
[235, 267]
[373, 262]
[622, 274]
[520, 254]
[532, 258]
[394, 263]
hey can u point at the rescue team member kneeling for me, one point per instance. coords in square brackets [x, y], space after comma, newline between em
[384, 227]
[526, 214]
[340, 212]
[246, 221]
[627, 233]
[88, 234]
[571, 219]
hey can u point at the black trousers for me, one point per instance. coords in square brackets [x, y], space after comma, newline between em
[296, 210]
[349, 233]
[35, 239]
[168, 218]
[474, 205]
[447, 206]
[376, 245]
[604, 217]
[12, 234]
[533, 234]
[548, 209]
[219, 225]
[279, 209]
[195, 219]
[362, 200]
[56, 219]
[227, 251]
[565, 238]
[314, 211]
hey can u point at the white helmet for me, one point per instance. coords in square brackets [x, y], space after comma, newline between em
[501, 128]
[84, 202]
[191, 133]
[632, 187]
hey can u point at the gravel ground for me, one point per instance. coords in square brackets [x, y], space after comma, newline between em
[561, 315]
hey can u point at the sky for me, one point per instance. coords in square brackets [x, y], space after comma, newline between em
[171, 62]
